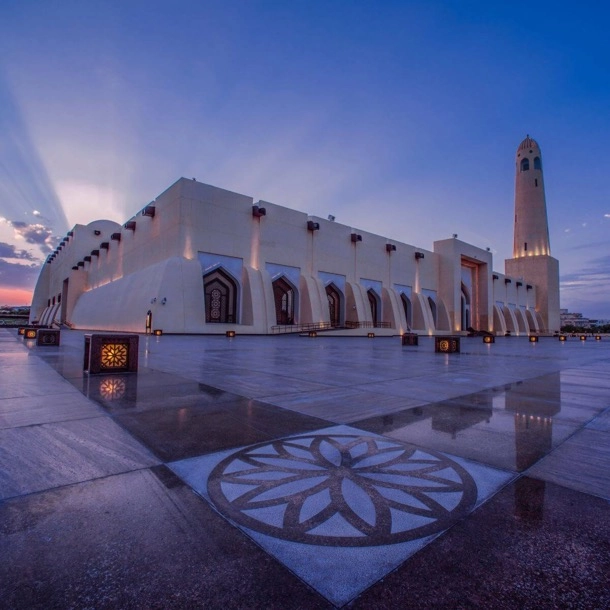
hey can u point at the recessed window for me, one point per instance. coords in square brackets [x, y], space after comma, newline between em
[525, 246]
[535, 181]
[537, 163]
[525, 165]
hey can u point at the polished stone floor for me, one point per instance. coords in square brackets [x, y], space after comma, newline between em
[293, 472]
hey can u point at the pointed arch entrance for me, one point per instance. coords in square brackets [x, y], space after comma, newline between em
[465, 309]
[335, 303]
[220, 292]
[284, 296]
[406, 303]
[374, 305]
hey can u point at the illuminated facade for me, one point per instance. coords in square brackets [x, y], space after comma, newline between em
[200, 259]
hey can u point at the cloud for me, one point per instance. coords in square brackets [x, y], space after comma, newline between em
[9, 251]
[37, 234]
[594, 277]
[17, 275]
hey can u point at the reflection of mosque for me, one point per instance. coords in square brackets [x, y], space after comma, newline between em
[534, 404]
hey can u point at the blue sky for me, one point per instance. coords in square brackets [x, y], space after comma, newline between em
[399, 118]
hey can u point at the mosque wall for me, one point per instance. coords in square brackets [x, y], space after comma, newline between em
[210, 260]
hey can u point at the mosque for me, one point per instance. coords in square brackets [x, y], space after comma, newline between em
[201, 259]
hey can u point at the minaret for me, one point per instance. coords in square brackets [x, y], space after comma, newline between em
[531, 237]
[532, 258]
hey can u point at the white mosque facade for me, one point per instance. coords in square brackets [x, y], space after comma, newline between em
[201, 259]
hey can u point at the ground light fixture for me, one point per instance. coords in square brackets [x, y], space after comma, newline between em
[230, 334]
[533, 339]
[489, 339]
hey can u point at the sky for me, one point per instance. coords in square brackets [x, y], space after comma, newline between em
[401, 118]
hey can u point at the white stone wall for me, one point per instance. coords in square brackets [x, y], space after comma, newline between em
[197, 229]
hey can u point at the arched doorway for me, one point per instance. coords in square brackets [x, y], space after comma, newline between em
[334, 304]
[432, 305]
[220, 291]
[406, 303]
[284, 297]
[374, 305]
[465, 309]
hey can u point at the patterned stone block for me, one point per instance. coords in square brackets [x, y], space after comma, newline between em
[47, 336]
[447, 345]
[111, 353]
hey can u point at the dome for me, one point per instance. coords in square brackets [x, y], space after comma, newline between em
[528, 143]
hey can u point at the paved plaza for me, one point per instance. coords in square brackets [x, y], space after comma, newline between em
[296, 472]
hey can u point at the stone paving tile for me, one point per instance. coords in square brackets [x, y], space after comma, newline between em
[497, 438]
[534, 545]
[174, 434]
[342, 405]
[581, 463]
[35, 458]
[15, 412]
[601, 422]
[140, 540]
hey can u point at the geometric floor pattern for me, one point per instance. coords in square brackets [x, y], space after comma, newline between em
[340, 507]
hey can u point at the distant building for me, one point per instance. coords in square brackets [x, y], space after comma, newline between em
[200, 259]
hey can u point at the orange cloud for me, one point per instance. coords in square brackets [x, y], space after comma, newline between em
[15, 296]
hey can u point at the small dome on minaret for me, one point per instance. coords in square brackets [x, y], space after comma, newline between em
[528, 143]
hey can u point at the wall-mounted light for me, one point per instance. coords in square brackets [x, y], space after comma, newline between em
[70, 233]
[507, 280]
[81, 263]
[313, 226]
[95, 252]
[563, 338]
[355, 237]
[528, 286]
[116, 236]
[104, 245]
[130, 225]
[519, 284]
[87, 259]
[495, 276]
[390, 248]
[258, 212]
[75, 268]
[598, 337]
[419, 256]
[583, 337]
[149, 211]
[30, 333]
[157, 332]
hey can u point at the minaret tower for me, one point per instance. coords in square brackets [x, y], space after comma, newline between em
[532, 258]
[531, 236]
